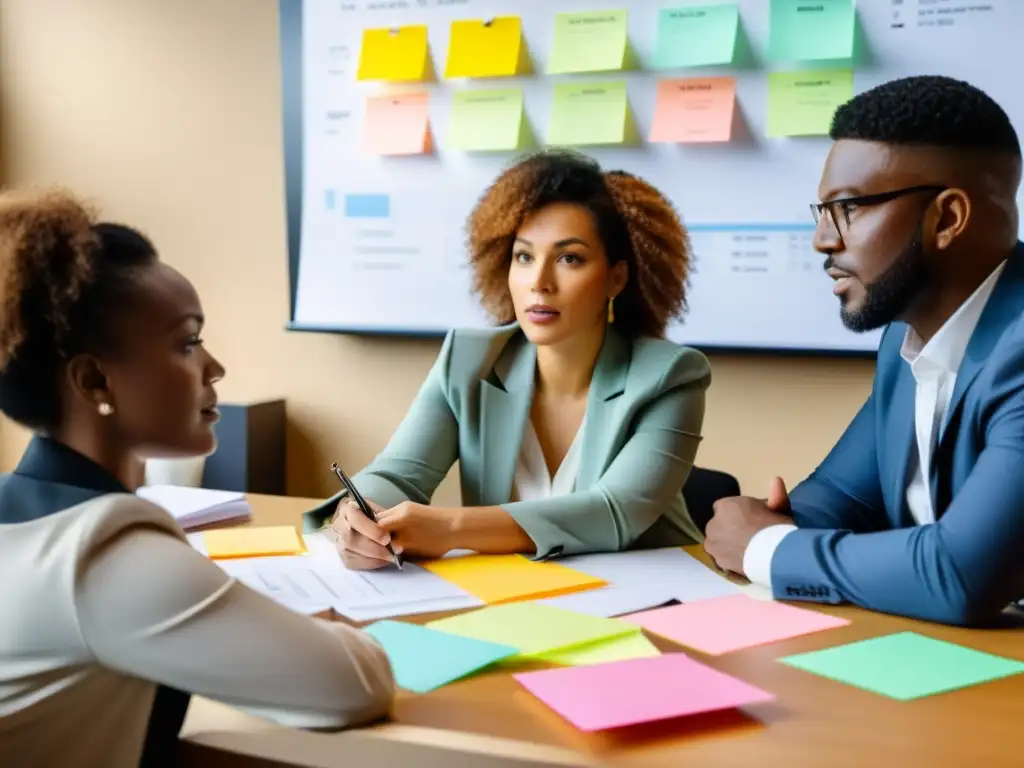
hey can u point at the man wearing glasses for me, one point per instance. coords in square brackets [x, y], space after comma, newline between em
[919, 508]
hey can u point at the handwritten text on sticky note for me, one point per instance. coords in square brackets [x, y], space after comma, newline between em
[696, 36]
[812, 31]
[595, 41]
[588, 114]
[803, 103]
[694, 110]
[490, 120]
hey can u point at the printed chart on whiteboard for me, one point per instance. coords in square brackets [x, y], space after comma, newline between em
[403, 112]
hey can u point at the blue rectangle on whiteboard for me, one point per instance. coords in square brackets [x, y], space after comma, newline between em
[367, 206]
[329, 199]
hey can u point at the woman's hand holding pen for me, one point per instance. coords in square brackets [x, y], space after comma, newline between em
[361, 543]
[419, 530]
[412, 529]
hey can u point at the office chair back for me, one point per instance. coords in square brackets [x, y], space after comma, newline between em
[703, 488]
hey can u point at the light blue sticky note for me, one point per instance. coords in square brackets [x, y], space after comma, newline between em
[424, 659]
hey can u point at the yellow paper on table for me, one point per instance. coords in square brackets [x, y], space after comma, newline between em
[596, 41]
[505, 578]
[694, 110]
[398, 124]
[802, 103]
[269, 541]
[534, 628]
[486, 48]
[487, 120]
[635, 646]
[589, 114]
[397, 55]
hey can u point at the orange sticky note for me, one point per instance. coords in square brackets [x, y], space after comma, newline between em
[268, 541]
[694, 110]
[397, 55]
[506, 578]
[398, 124]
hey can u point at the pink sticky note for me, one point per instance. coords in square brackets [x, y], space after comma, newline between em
[398, 124]
[722, 624]
[622, 693]
[694, 110]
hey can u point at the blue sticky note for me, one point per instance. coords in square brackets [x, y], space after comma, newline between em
[424, 659]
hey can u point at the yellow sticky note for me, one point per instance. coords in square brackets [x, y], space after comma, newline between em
[534, 628]
[398, 124]
[596, 41]
[589, 114]
[694, 110]
[504, 578]
[491, 120]
[803, 103]
[635, 646]
[400, 54]
[266, 541]
[486, 48]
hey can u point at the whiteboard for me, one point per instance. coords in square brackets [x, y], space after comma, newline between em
[757, 285]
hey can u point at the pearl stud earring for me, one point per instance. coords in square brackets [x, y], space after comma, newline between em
[105, 409]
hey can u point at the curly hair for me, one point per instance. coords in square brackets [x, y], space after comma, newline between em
[62, 273]
[635, 222]
[927, 110]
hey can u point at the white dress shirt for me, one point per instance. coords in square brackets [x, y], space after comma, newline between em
[533, 480]
[934, 366]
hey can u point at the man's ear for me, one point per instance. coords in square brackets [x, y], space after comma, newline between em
[88, 381]
[954, 214]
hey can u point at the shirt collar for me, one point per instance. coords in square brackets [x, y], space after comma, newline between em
[945, 350]
[53, 462]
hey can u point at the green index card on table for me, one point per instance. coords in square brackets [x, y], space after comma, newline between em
[585, 114]
[595, 41]
[802, 103]
[696, 36]
[905, 665]
[533, 628]
[811, 30]
[486, 120]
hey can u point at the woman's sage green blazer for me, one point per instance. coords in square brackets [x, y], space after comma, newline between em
[642, 428]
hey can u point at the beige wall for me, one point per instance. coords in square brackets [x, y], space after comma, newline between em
[165, 112]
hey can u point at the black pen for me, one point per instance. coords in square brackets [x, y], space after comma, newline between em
[363, 507]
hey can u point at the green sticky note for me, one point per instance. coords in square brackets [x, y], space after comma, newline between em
[634, 646]
[585, 114]
[487, 120]
[595, 41]
[803, 103]
[424, 659]
[905, 665]
[533, 628]
[696, 36]
[811, 30]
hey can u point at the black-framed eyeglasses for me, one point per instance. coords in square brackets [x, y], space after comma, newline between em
[843, 206]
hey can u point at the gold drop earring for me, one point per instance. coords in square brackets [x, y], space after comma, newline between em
[611, 310]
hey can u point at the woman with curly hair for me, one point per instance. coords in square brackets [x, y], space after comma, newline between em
[575, 423]
[110, 619]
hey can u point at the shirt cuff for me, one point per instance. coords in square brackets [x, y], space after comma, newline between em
[757, 559]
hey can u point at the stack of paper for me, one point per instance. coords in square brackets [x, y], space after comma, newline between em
[196, 507]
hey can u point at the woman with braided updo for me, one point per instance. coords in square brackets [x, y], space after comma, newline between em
[110, 619]
[575, 423]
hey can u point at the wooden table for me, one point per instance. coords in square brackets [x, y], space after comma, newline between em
[490, 720]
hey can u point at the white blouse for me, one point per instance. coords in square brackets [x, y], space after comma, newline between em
[533, 480]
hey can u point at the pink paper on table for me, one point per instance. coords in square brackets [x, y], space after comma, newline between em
[622, 693]
[722, 624]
